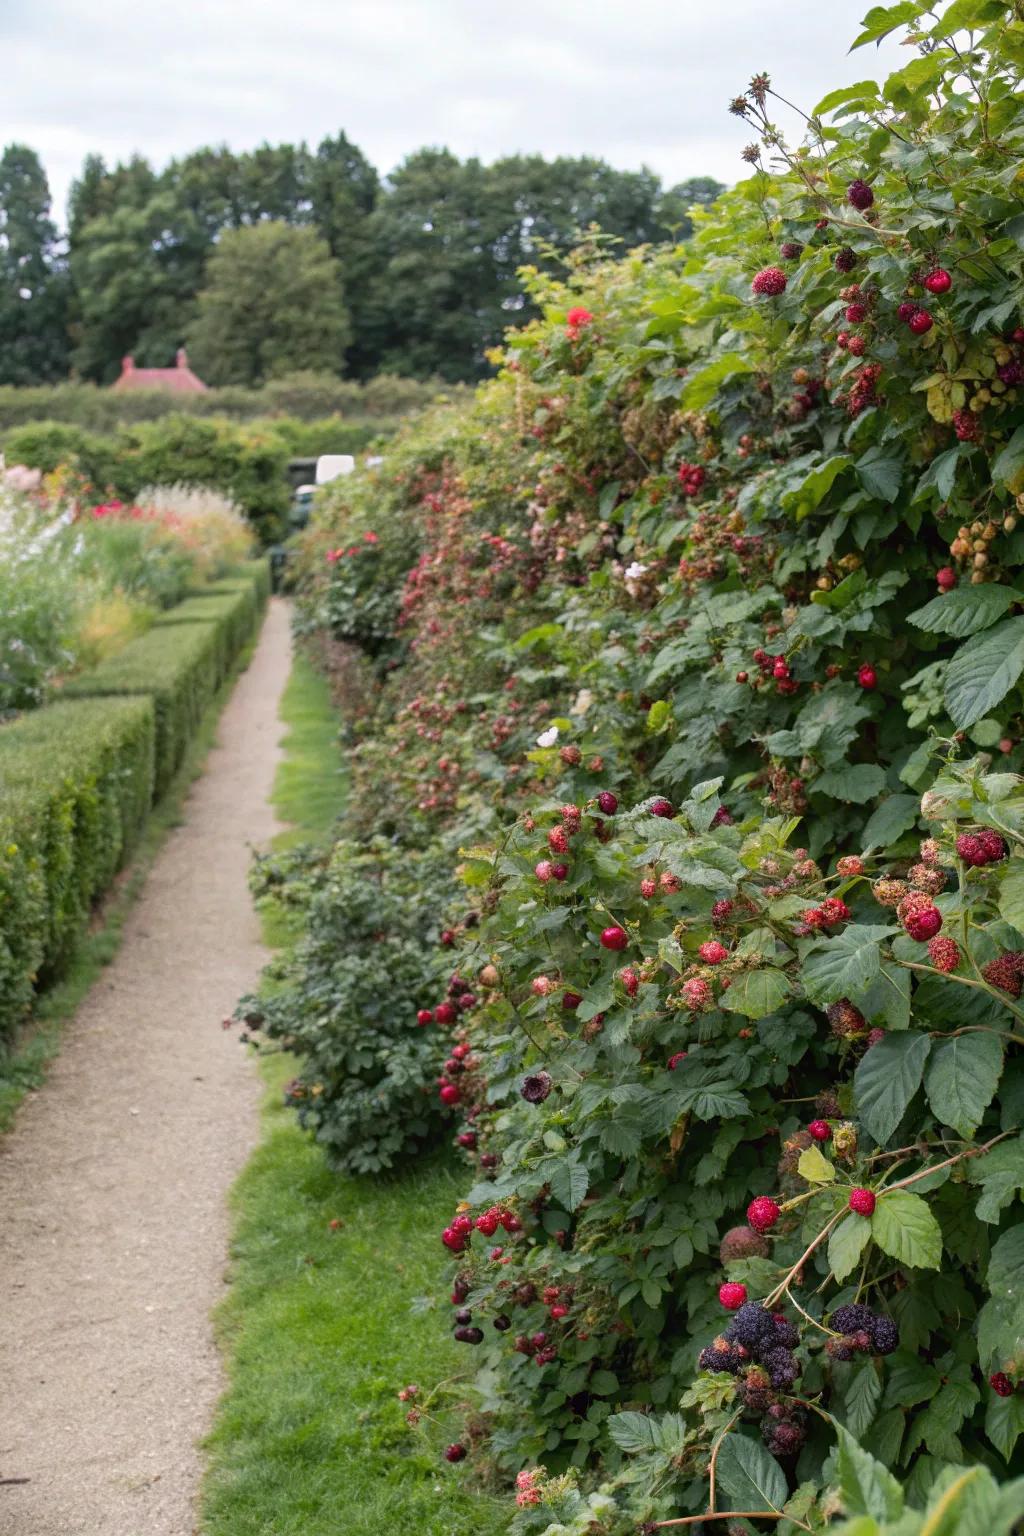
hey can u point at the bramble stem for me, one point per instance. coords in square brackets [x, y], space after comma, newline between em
[732, 1514]
[782, 1288]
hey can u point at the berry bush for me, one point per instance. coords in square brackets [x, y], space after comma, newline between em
[704, 689]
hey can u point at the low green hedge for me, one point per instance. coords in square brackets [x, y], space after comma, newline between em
[232, 615]
[178, 666]
[76, 785]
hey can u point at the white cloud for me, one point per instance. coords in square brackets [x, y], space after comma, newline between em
[635, 81]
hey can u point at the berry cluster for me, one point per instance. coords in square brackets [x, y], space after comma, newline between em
[461, 998]
[755, 1334]
[691, 477]
[456, 1237]
[980, 848]
[861, 1331]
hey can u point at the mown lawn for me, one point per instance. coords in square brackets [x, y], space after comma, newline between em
[322, 1326]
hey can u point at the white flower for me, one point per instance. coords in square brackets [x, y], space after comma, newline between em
[582, 702]
[635, 571]
[549, 737]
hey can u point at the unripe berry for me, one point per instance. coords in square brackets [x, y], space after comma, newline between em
[571, 1001]
[444, 1013]
[449, 1093]
[850, 865]
[674, 1061]
[571, 755]
[630, 980]
[922, 923]
[648, 888]
[820, 1130]
[862, 1201]
[543, 870]
[946, 578]
[1001, 1384]
[763, 1213]
[769, 282]
[614, 938]
[944, 954]
[558, 840]
[732, 1295]
[559, 871]
[713, 953]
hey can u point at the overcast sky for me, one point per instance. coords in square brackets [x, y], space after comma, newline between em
[635, 81]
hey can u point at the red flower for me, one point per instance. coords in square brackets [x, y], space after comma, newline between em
[371, 538]
[576, 319]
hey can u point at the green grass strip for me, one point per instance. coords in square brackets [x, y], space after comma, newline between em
[322, 1326]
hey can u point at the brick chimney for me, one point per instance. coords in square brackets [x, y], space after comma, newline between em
[181, 358]
[127, 364]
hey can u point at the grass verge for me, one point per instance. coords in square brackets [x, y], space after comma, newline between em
[24, 1065]
[323, 1324]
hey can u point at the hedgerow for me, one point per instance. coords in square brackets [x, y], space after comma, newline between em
[705, 676]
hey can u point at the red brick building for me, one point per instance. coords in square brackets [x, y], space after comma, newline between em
[180, 379]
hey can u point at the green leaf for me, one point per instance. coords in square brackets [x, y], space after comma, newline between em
[714, 1101]
[607, 499]
[965, 610]
[910, 1380]
[964, 15]
[941, 473]
[1011, 894]
[640, 1433]
[883, 19]
[984, 670]
[904, 1227]
[803, 498]
[815, 1167]
[1008, 468]
[886, 1079]
[864, 90]
[867, 1487]
[1004, 1424]
[569, 1184]
[896, 815]
[750, 1476]
[1000, 1172]
[862, 1390]
[755, 994]
[701, 388]
[880, 474]
[845, 964]
[856, 783]
[999, 1321]
[846, 1244]
[962, 1078]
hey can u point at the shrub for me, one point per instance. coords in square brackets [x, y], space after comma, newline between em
[76, 783]
[346, 997]
[40, 607]
[179, 667]
[210, 525]
[696, 572]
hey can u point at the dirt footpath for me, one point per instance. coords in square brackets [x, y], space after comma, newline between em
[113, 1223]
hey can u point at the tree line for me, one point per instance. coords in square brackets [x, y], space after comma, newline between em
[288, 257]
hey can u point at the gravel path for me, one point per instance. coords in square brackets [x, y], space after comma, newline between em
[112, 1187]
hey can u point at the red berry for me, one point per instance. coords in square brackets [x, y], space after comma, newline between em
[607, 803]
[820, 1130]
[544, 870]
[448, 938]
[560, 871]
[763, 1213]
[732, 1295]
[855, 313]
[571, 1001]
[867, 676]
[857, 346]
[444, 1013]
[769, 282]
[713, 953]
[874, 1035]
[946, 578]
[862, 1201]
[1001, 1384]
[648, 888]
[425, 1016]
[944, 954]
[923, 923]
[938, 281]
[467, 1139]
[449, 1093]
[630, 980]
[661, 807]
[859, 194]
[571, 755]
[906, 310]
[674, 1061]
[920, 322]
[558, 840]
[558, 1311]
[614, 938]
[455, 1453]
[742, 677]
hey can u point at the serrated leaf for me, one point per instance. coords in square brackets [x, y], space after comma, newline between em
[803, 498]
[910, 1380]
[844, 965]
[883, 19]
[965, 610]
[1011, 894]
[714, 1101]
[855, 783]
[864, 90]
[702, 387]
[903, 1227]
[815, 1167]
[1001, 1174]
[755, 994]
[867, 1487]
[862, 1390]
[896, 815]
[569, 1184]
[880, 473]
[984, 670]
[1008, 467]
[1004, 1424]
[750, 1476]
[846, 1244]
[636, 1433]
[962, 1078]
[886, 1079]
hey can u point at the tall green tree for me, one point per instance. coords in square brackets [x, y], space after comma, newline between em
[33, 275]
[272, 304]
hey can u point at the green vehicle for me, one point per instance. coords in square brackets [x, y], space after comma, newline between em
[325, 469]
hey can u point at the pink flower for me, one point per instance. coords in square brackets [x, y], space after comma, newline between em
[371, 538]
[576, 319]
[332, 555]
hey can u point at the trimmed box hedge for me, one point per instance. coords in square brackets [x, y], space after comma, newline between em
[76, 786]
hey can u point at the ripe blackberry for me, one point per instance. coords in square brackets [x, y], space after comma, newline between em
[469, 1335]
[885, 1336]
[719, 1357]
[789, 250]
[850, 1318]
[859, 194]
[782, 1368]
[783, 1437]
[785, 1333]
[750, 1325]
[536, 1087]
[845, 259]
[455, 1453]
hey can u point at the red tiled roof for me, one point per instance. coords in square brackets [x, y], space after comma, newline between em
[180, 378]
